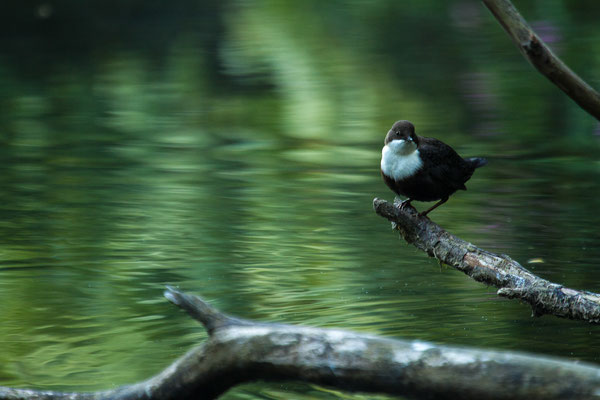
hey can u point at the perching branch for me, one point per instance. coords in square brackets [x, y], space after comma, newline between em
[240, 351]
[512, 280]
[542, 58]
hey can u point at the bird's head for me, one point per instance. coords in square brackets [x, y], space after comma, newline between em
[402, 138]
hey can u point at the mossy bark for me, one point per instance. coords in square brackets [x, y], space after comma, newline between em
[512, 279]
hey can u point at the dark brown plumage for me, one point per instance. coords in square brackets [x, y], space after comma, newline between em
[422, 168]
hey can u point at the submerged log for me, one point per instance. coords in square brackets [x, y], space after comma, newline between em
[239, 351]
[513, 280]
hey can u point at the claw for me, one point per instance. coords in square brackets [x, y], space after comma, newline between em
[405, 203]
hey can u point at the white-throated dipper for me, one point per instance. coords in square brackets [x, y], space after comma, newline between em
[422, 168]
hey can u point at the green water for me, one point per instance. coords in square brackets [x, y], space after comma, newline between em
[232, 149]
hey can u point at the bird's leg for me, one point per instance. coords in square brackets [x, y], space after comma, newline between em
[436, 205]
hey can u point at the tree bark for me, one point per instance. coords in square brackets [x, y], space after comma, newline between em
[240, 351]
[542, 58]
[512, 280]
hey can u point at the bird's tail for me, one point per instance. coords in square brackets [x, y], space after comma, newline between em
[477, 162]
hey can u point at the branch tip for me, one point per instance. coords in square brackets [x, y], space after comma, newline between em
[170, 294]
[197, 308]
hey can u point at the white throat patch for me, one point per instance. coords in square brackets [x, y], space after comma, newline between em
[397, 162]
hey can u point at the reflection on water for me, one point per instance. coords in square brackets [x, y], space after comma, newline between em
[238, 159]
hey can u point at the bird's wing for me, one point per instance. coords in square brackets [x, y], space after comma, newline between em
[446, 166]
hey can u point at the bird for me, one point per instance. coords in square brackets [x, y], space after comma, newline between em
[422, 168]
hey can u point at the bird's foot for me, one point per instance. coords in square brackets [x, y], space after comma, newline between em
[405, 203]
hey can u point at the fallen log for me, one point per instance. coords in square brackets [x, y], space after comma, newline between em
[239, 351]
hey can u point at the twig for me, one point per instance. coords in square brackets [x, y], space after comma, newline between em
[210, 317]
[542, 58]
[512, 280]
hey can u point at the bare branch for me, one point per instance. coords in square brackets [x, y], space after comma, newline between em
[542, 58]
[210, 317]
[512, 280]
[241, 351]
